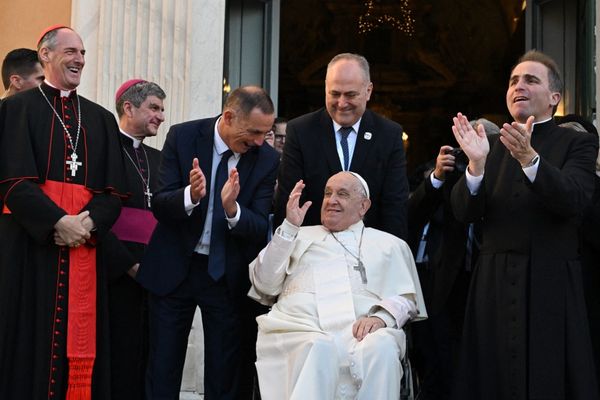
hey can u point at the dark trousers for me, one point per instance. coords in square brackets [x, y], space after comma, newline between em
[170, 322]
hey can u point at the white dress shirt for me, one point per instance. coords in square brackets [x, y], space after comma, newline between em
[351, 141]
[203, 246]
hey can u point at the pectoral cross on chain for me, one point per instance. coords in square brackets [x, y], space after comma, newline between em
[148, 194]
[361, 268]
[73, 164]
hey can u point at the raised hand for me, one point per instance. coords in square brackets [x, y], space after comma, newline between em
[473, 142]
[230, 192]
[294, 213]
[517, 139]
[197, 182]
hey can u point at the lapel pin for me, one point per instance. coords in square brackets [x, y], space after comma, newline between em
[368, 135]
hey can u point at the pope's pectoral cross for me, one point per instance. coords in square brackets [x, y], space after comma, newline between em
[73, 164]
[361, 268]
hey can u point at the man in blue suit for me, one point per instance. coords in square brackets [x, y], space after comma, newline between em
[216, 181]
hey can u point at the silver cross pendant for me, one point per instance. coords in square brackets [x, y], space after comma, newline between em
[148, 194]
[73, 164]
[361, 268]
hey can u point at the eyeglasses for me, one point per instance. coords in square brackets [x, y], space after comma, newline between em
[256, 133]
[279, 137]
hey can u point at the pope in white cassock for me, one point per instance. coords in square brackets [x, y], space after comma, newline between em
[341, 294]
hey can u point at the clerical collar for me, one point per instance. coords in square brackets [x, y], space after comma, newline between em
[336, 126]
[220, 146]
[541, 122]
[63, 93]
[356, 227]
[136, 142]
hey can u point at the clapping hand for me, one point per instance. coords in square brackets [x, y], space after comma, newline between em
[517, 139]
[197, 182]
[473, 142]
[230, 192]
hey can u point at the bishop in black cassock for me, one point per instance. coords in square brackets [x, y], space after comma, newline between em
[59, 154]
[140, 109]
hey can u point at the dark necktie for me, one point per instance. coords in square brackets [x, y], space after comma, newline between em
[216, 258]
[345, 131]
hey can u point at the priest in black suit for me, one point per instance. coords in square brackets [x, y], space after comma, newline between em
[345, 136]
[526, 333]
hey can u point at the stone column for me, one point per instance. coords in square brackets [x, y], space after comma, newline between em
[177, 44]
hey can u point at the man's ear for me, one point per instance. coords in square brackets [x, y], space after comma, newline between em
[128, 109]
[228, 117]
[364, 206]
[16, 81]
[369, 90]
[555, 99]
[43, 55]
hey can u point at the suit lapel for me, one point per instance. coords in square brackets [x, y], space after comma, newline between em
[363, 145]
[328, 143]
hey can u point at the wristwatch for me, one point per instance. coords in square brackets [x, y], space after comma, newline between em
[532, 162]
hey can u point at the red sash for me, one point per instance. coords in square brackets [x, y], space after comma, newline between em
[81, 327]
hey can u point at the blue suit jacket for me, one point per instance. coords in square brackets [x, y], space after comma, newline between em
[167, 259]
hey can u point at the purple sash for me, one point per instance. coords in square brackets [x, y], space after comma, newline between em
[134, 225]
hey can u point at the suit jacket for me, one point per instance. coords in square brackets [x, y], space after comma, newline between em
[310, 154]
[446, 239]
[167, 259]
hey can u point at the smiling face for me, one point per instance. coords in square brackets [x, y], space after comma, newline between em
[241, 133]
[64, 62]
[347, 91]
[145, 119]
[529, 92]
[344, 202]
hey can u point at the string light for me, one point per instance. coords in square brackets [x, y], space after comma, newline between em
[226, 86]
[367, 22]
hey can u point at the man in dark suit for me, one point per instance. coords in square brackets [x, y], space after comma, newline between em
[345, 136]
[212, 221]
[526, 333]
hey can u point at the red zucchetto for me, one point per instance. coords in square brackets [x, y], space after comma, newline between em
[123, 88]
[50, 29]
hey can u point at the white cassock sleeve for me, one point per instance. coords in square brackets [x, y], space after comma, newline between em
[399, 307]
[268, 270]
